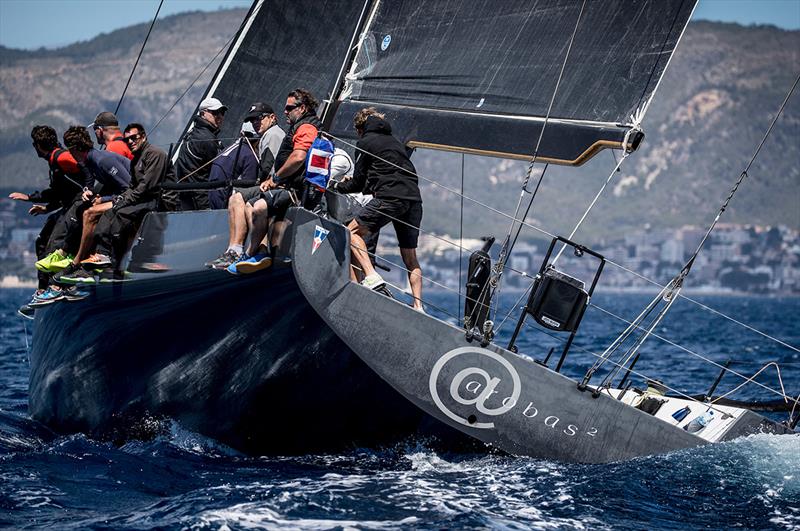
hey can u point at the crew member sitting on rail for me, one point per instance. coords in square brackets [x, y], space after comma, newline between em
[383, 168]
[67, 181]
[106, 130]
[240, 210]
[149, 169]
[200, 146]
[281, 191]
[238, 162]
[112, 175]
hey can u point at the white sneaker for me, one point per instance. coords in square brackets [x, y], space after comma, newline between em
[373, 281]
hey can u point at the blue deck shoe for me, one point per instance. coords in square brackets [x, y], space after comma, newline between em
[48, 296]
[232, 267]
[253, 264]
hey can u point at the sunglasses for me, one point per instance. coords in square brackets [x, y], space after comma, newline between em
[290, 108]
[132, 138]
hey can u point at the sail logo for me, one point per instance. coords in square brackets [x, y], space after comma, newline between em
[479, 379]
[319, 236]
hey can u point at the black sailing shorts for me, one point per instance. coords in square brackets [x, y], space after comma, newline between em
[250, 194]
[404, 215]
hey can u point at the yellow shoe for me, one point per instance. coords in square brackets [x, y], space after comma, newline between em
[44, 264]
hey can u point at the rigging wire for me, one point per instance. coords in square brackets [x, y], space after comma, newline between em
[684, 349]
[516, 304]
[592, 204]
[634, 372]
[461, 238]
[550, 235]
[508, 244]
[153, 23]
[675, 286]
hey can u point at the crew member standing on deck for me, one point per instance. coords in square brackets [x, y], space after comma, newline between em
[384, 170]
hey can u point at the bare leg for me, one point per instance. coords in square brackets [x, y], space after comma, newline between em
[414, 275]
[359, 248]
[90, 219]
[238, 220]
[234, 203]
[278, 228]
[260, 226]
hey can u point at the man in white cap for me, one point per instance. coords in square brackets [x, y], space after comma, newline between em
[199, 148]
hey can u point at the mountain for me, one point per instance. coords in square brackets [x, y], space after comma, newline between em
[717, 98]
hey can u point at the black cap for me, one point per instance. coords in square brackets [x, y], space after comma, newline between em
[105, 119]
[257, 110]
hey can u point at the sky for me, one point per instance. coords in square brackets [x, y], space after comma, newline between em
[31, 24]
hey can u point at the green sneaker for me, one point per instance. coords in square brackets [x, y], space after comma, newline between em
[44, 264]
[61, 264]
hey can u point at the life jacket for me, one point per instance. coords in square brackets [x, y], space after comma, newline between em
[295, 180]
[318, 163]
[117, 145]
[66, 185]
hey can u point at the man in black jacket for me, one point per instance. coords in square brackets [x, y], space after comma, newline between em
[199, 148]
[150, 168]
[384, 170]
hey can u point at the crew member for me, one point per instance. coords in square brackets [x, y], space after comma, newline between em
[282, 190]
[149, 169]
[383, 168]
[109, 137]
[67, 181]
[112, 175]
[200, 146]
[240, 210]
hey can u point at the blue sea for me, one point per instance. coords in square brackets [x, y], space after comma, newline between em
[185, 481]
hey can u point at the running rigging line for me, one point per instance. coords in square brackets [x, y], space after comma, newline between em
[669, 293]
[119, 103]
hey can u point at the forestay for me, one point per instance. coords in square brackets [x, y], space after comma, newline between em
[478, 77]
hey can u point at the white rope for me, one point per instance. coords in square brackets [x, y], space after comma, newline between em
[752, 378]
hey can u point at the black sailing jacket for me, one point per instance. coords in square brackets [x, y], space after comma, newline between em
[382, 165]
[199, 147]
[150, 168]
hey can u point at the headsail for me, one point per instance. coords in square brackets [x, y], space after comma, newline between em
[282, 46]
[479, 77]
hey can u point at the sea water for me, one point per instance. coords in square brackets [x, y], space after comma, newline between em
[185, 481]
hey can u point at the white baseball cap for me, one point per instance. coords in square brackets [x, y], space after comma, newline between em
[212, 104]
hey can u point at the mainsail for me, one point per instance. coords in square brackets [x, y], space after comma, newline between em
[282, 46]
[479, 77]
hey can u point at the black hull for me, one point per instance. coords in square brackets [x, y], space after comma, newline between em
[496, 396]
[243, 360]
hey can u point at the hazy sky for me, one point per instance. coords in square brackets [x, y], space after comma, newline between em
[50, 23]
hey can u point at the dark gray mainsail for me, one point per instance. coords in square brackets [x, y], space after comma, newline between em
[282, 46]
[488, 71]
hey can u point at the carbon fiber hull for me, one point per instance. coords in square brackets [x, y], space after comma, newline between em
[244, 360]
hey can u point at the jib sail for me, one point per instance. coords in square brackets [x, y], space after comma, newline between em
[478, 76]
